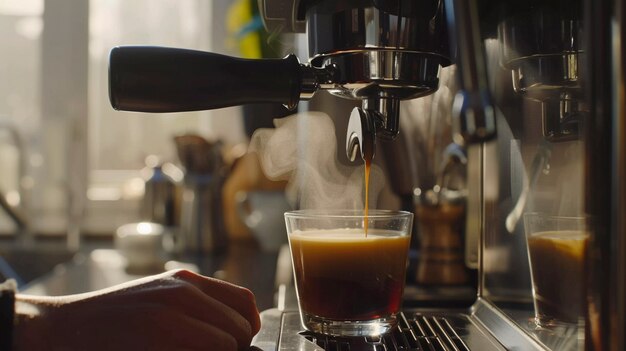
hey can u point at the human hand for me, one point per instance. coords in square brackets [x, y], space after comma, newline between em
[176, 310]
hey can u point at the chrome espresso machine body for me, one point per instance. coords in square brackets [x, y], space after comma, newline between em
[540, 111]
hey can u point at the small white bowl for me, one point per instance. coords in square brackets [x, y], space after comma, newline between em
[142, 245]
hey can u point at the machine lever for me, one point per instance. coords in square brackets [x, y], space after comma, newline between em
[161, 79]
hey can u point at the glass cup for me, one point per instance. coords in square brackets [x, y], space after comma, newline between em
[557, 247]
[349, 282]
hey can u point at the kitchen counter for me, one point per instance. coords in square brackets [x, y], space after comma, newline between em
[243, 265]
[267, 274]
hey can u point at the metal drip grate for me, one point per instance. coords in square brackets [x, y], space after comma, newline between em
[421, 332]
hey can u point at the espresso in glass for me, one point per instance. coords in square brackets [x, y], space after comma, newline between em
[349, 283]
[344, 275]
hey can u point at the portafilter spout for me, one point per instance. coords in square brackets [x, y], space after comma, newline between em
[378, 117]
[361, 135]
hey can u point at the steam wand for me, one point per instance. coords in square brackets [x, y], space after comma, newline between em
[540, 162]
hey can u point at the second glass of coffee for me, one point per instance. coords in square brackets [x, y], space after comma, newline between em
[557, 247]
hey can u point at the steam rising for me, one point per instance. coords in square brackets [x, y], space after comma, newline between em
[303, 149]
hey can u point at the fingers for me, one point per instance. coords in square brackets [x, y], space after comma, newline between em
[215, 303]
[195, 303]
[172, 311]
[193, 334]
[240, 299]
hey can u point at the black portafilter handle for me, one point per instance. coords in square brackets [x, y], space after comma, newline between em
[160, 79]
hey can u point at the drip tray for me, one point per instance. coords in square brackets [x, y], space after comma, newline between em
[426, 331]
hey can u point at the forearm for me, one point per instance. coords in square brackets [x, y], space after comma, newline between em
[171, 311]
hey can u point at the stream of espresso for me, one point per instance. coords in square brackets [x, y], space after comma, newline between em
[368, 166]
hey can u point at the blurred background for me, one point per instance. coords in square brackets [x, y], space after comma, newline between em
[65, 154]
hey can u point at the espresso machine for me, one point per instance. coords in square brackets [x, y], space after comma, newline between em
[539, 110]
